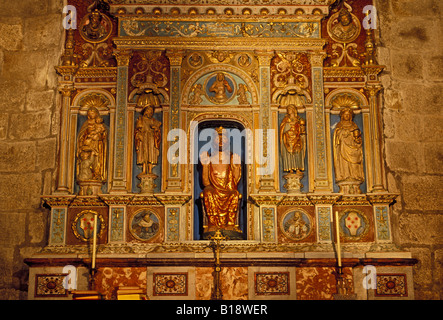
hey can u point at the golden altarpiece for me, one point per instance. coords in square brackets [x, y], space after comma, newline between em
[147, 87]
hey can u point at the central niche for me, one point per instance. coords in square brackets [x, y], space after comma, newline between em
[204, 225]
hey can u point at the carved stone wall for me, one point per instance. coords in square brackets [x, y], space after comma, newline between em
[410, 37]
[31, 42]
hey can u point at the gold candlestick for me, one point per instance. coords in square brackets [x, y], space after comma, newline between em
[94, 253]
[216, 246]
[337, 229]
[94, 242]
[343, 290]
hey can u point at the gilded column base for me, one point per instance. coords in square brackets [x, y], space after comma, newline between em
[147, 184]
[350, 186]
[230, 234]
[90, 187]
[293, 182]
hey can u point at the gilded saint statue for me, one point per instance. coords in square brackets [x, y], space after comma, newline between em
[147, 139]
[293, 148]
[219, 87]
[293, 141]
[220, 197]
[91, 153]
[348, 154]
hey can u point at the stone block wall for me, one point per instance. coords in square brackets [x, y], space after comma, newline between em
[410, 45]
[31, 42]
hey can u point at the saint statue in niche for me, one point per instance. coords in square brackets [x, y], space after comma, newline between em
[220, 197]
[293, 141]
[219, 87]
[348, 154]
[92, 144]
[293, 148]
[147, 139]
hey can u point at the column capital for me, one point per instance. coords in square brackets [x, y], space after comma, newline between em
[373, 90]
[122, 56]
[316, 58]
[264, 57]
[66, 91]
[175, 56]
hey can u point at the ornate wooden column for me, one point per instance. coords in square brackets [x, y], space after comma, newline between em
[376, 185]
[118, 165]
[173, 174]
[63, 186]
[267, 170]
[322, 179]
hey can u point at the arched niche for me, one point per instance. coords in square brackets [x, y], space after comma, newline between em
[104, 102]
[196, 141]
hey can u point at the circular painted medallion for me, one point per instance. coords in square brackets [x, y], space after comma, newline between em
[83, 225]
[354, 224]
[296, 224]
[95, 27]
[144, 225]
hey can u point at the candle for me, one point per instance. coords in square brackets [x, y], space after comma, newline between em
[94, 242]
[337, 229]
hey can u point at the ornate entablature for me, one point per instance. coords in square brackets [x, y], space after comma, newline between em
[148, 85]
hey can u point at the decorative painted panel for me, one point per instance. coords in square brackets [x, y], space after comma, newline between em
[121, 125]
[324, 224]
[268, 224]
[202, 29]
[272, 283]
[117, 224]
[170, 284]
[320, 160]
[50, 285]
[391, 285]
[173, 224]
[382, 223]
[58, 225]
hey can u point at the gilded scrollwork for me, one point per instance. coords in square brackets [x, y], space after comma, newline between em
[96, 55]
[345, 55]
[289, 76]
[150, 76]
